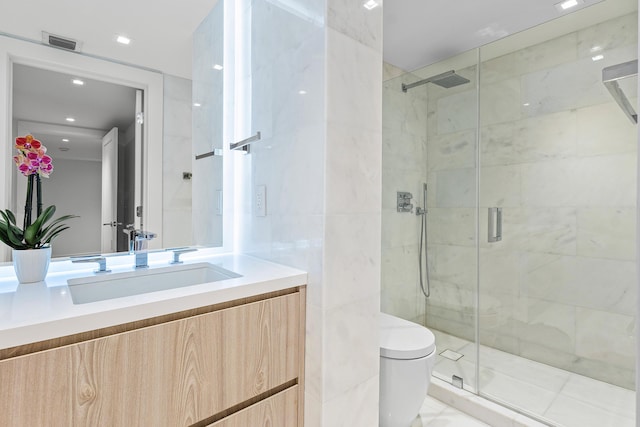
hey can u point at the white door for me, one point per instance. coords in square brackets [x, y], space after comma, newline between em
[140, 167]
[109, 192]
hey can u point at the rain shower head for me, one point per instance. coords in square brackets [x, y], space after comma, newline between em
[446, 80]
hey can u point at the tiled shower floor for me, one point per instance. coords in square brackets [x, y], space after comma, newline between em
[558, 396]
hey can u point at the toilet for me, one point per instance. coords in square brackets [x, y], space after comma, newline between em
[407, 355]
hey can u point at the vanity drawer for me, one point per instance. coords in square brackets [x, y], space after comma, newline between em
[279, 410]
[171, 374]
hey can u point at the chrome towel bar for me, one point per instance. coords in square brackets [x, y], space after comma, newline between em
[245, 143]
[214, 152]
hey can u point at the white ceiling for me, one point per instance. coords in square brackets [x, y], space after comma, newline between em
[46, 98]
[416, 32]
[161, 30]
[421, 32]
[50, 97]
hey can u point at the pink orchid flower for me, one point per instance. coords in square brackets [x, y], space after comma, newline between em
[31, 158]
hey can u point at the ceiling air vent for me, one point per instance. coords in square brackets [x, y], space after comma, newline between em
[61, 42]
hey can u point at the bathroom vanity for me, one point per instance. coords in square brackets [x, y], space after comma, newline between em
[225, 353]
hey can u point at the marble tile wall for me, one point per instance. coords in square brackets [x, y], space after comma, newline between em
[420, 146]
[207, 182]
[560, 158]
[353, 184]
[404, 155]
[315, 97]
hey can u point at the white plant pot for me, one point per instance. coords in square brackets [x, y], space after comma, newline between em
[31, 265]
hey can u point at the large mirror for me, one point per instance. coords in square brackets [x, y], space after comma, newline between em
[90, 131]
[150, 191]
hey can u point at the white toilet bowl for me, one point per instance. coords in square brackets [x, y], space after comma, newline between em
[407, 355]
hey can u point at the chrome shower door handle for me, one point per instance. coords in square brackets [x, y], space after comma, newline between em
[495, 225]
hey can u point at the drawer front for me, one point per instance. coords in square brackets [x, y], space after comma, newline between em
[279, 410]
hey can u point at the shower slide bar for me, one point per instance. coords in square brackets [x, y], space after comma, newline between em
[610, 77]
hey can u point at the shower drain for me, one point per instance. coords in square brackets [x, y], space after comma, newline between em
[451, 355]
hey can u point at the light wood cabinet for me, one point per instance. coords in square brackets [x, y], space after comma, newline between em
[198, 370]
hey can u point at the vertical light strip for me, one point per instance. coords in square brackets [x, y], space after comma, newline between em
[235, 44]
[229, 171]
[242, 119]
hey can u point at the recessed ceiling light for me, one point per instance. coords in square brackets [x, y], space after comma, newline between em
[302, 92]
[197, 104]
[123, 40]
[526, 104]
[568, 4]
[217, 67]
[63, 148]
[65, 140]
[70, 119]
[597, 58]
[77, 82]
[371, 4]
[595, 49]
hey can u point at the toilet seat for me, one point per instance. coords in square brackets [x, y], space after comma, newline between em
[401, 339]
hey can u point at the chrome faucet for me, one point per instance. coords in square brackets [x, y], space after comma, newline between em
[137, 244]
[102, 262]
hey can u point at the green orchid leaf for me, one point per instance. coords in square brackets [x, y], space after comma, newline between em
[12, 217]
[54, 233]
[4, 237]
[6, 240]
[50, 230]
[13, 234]
[14, 238]
[16, 230]
[45, 216]
[55, 222]
[5, 216]
[35, 235]
[30, 235]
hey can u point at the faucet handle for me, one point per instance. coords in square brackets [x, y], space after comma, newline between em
[145, 235]
[179, 251]
[102, 262]
[140, 239]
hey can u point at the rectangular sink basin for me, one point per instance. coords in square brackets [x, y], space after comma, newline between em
[108, 286]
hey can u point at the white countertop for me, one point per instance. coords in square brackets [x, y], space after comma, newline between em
[39, 311]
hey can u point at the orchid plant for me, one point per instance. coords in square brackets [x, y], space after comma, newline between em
[33, 162]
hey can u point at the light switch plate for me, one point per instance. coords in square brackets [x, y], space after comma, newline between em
[261, 200]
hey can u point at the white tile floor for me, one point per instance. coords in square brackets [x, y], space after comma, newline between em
[437, 414]
[559, 397]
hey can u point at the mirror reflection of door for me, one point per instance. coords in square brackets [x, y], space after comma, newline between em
[109, 192]
[43, 100]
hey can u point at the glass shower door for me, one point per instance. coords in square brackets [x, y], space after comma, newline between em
[557, 211]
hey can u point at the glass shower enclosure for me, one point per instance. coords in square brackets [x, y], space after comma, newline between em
[530, 171]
